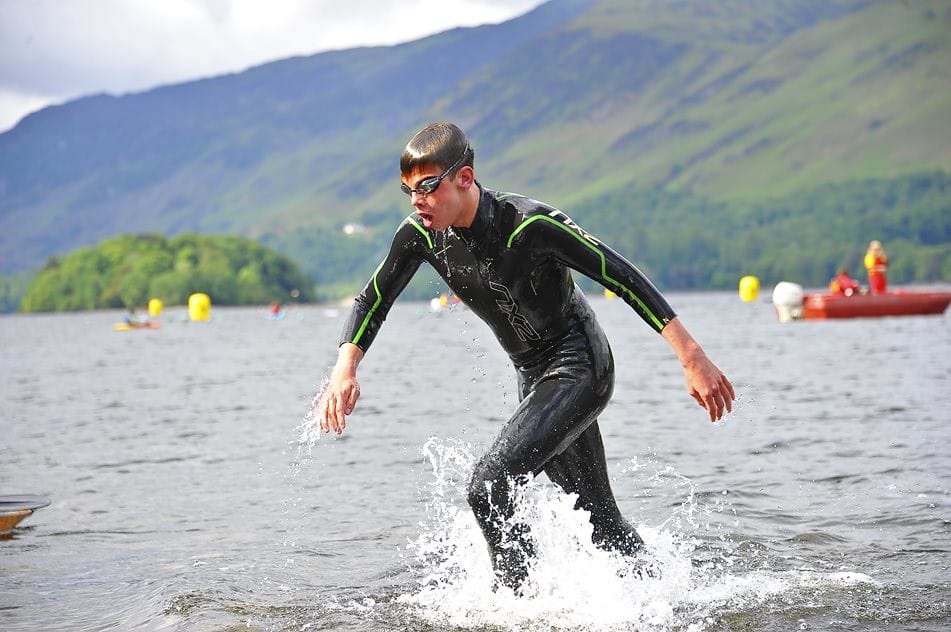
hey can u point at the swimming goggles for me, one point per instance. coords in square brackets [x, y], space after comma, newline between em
[429, 185]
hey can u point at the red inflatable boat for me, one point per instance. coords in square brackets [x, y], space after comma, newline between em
[894, 303]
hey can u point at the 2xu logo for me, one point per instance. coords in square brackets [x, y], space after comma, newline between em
[564, 219]
[507, 304]
[523, 328]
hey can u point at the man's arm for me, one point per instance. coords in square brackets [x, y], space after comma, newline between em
[390, 278]
[578, 249]
[367, 315]
[342, 391]
[582, 251]
[705, 382]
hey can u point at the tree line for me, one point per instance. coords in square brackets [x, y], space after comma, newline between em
[688, 242]
[681, 240]
[685, 241]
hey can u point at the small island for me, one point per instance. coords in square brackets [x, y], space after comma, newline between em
[129, 270]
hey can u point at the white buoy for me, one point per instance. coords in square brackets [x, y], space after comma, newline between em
[788, 299]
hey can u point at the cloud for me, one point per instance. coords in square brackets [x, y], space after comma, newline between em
[51, 50]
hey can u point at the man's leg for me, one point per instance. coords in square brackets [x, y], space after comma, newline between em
[491, 497]
[581, 469]
[553, 415]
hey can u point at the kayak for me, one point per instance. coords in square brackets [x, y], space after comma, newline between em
[13, 509]
[152, 324]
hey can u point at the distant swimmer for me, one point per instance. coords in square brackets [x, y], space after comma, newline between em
[508, 258]
[276, 311]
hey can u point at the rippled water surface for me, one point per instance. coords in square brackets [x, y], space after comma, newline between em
[189, 493]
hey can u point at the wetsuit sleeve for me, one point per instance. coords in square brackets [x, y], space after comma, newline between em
[570, 244]
[390, 278]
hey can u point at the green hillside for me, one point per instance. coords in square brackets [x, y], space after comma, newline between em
[734, 100]
[717, 142]
[230, 153]
[759, 123]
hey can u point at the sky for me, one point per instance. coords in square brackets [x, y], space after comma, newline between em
[52, 51]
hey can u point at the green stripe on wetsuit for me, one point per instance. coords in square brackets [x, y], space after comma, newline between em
[376, 288]
[604, 273]
[376, 303]
[422, 230]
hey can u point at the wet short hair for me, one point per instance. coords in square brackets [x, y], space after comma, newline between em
[437, 145]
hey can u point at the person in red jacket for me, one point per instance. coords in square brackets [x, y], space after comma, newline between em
[876, 262]
[842, 284]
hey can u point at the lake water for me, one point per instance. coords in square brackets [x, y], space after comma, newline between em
[189, 492]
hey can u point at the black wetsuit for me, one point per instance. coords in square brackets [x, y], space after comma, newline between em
[511, 267]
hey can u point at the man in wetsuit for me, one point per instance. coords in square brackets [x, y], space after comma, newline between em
[508, 258]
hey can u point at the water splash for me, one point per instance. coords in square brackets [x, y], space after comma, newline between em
[309, 429]
[708, 579]
[573, 585]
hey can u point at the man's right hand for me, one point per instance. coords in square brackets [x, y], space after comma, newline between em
[340, 396]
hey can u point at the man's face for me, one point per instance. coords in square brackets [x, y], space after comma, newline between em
[440, 209]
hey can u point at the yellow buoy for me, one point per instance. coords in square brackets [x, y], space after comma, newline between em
[155, 307]
[749, 289]
[199, 306]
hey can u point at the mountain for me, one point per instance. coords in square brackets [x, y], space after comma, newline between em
[741, 106]
[225, 154]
